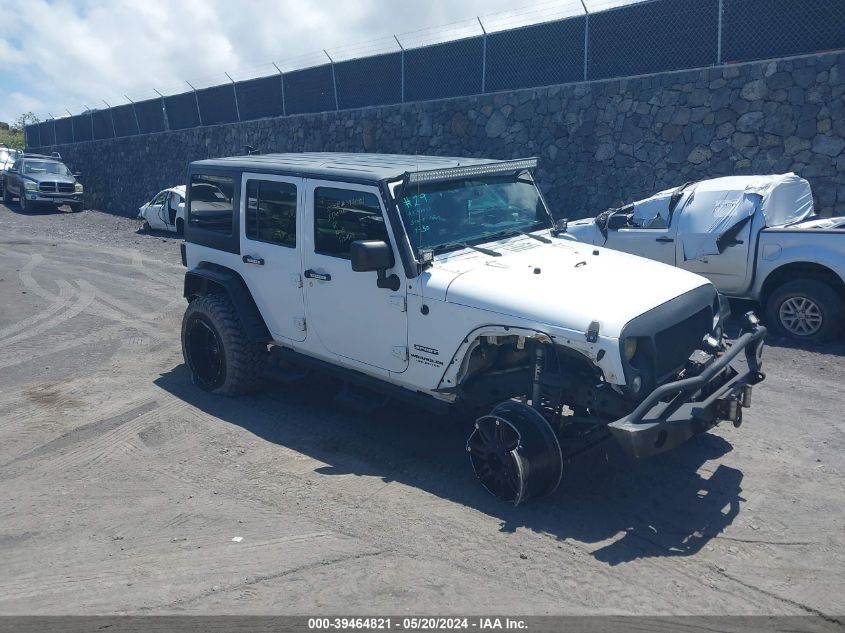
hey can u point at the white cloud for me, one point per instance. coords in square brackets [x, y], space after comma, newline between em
[62, 54]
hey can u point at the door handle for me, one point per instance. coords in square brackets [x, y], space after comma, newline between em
[250, 259]
[665, 240]
[310, 274]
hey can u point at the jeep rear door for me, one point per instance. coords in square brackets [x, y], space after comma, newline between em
[270, 239]
[348, 314]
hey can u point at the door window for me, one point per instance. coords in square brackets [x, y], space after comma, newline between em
[342, 216]
[271, 212]
[159, 199]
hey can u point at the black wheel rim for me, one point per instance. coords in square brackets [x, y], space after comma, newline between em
[493, 450]
[205, 354]
[515, 453]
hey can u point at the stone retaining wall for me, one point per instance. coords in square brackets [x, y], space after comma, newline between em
[601, 143]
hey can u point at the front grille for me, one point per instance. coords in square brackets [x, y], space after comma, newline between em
[675, 344]
[56, 187]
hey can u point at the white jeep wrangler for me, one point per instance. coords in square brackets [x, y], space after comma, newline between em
[443, 281]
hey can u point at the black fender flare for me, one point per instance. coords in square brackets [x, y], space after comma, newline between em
[208, 278]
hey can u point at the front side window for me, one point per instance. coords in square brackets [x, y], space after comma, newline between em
[443, 214]
[271, 212]
[342, 216]
[159, 199]
[212, 203]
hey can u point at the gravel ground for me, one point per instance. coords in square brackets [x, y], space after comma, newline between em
[124, 488]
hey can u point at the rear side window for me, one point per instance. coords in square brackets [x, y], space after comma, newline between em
[271, 212]
[211, 203]
[342, 216]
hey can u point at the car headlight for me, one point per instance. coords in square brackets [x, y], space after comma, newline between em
[30, 186]
[630, 348]
[78, 187]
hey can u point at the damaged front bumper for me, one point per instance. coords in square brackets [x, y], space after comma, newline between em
[676, 411]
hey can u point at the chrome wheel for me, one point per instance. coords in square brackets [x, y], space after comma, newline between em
[800, 316]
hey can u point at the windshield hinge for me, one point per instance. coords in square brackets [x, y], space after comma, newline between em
[400, 302]
[400, 352]
[296, 280]
[593, 332]
[300, 324]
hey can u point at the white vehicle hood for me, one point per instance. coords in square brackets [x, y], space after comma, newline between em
[572, 288]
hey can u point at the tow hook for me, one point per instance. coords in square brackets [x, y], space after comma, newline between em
[730, 409]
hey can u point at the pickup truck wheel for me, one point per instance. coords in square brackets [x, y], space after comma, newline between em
[221, 357]
[805, 309]
[25, 207]
[515, 453]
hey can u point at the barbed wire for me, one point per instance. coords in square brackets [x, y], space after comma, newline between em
[550, 42]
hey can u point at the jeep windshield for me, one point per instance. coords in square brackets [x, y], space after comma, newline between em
[444, 215]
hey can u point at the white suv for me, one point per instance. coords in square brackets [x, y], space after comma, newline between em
[8, 157]
[445, 282]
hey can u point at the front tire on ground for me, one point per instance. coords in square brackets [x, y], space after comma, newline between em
[25, 207]
[76, 208]
[218, 352]
[806, 310]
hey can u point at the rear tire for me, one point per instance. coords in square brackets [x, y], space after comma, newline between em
[805, 310]
[217, 350]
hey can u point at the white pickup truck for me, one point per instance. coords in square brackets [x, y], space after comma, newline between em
[754, 237]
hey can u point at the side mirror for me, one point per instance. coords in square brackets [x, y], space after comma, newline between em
[374, 255]
[369, 255]
[77, 175]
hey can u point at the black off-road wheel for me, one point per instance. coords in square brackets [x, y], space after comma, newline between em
[220, 356]
[805, 310]
[515, 453]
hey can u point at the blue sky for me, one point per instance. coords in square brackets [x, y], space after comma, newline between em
[58, 55]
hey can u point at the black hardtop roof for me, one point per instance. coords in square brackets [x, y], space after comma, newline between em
[340, 166]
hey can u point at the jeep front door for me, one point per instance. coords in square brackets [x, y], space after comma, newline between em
[270, 240]
[347, 312]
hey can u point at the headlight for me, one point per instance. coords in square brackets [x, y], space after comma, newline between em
[78, 188]
[630, 348]
[30, 186]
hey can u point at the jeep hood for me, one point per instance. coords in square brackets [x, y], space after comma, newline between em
[566, 285]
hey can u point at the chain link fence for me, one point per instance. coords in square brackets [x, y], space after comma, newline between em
[556, 42]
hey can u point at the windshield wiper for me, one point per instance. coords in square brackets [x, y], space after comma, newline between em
[507, 232]
[539, 238]
[480, 249]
